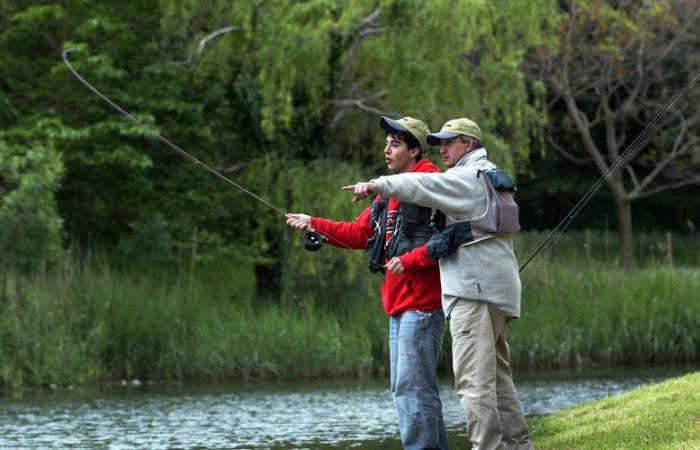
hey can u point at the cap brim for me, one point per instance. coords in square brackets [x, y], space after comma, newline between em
[388, 124]
[435, 138]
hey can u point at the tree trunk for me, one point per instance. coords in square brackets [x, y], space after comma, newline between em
[268, 275]
[19, 292]
[624, 223]
[3, 287]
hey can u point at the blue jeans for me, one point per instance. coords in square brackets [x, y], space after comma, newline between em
[415, 345]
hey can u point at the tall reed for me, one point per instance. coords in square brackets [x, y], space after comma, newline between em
[87, 322]
[582, 316]
[95, 324]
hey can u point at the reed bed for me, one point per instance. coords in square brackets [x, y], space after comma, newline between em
[87, 322]
[95, 325]
[591, 316]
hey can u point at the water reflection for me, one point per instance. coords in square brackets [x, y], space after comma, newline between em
[302, 415]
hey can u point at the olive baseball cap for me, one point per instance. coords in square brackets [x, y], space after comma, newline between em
[454, 128]
[415, 127]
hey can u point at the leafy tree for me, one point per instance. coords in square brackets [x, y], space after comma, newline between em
[323, 71]
[619, 63]
[259, 90]
[118, 178]
[30, 227]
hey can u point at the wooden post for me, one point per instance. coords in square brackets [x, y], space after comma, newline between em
[193, 257]
[3, 286]
[587, 244]
[669, 249]
[606, 241]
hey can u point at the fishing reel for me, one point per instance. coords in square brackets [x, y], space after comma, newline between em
[313, 240]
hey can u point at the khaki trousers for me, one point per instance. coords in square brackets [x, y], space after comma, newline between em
[483, 378]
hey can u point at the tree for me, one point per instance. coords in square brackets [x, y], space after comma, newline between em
[322, 71]
[619, 63]
[117, 178]
[247, 87]
[30, 227]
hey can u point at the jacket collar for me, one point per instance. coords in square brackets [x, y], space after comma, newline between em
[470, 158]
[422, 165]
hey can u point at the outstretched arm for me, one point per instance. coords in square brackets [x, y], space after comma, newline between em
[457, 192]
[352, 235]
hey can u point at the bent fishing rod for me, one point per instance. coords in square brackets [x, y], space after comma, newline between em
[312, 239]
[626, 155]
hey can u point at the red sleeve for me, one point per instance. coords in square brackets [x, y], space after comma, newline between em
[417, 259]
[353, 235]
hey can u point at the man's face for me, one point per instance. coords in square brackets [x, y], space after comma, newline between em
[452, 150]
[399, 158]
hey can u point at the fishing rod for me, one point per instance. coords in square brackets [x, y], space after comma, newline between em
[626, 155]
[312, 239]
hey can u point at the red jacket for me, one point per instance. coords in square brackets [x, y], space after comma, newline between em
[418, 288]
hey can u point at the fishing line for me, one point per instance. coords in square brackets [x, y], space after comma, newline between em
[183, 153]
[626, 155]
[312, 239]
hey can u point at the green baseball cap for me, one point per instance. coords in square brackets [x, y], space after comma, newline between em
[415, 127]
[454, 128]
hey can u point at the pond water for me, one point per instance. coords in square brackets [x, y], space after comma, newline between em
[314, 415]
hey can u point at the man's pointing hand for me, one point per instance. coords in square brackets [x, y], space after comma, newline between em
[360, 190]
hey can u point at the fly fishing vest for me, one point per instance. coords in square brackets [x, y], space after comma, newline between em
[412, 230]
[500, 217]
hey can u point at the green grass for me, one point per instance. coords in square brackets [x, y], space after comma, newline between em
[601, 247]
[661, 416]
[99, 325]
[87, 322]
[579, 316]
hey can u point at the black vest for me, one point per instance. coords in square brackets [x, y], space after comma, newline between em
[412, 230]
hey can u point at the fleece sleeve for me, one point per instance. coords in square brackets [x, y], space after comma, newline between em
[459, 193]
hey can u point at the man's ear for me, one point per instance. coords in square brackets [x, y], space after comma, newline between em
[414, 152]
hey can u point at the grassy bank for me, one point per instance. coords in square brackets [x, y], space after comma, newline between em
[87, 322]
[661, 416]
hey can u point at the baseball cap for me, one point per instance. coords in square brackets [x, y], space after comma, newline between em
[415, 127]
[454, 128]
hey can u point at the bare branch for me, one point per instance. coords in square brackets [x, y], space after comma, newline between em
[665, 187]
[203, 42]
[565, 153]
[582, 125]
[611, 139]
[632, 97]
[598, 116]
[234, 168]
[369, 28]
[633, 176]
[361, 103]
[680, 35]
[678, 149]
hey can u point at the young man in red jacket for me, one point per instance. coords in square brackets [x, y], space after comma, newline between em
[393, 234]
